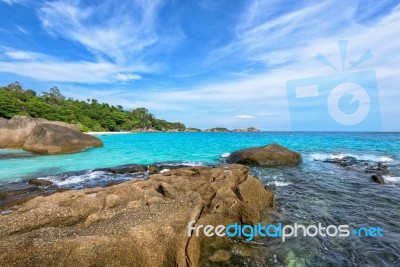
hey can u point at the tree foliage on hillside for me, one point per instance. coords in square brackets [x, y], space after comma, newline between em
[89, 115]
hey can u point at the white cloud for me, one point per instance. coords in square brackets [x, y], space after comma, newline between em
[265, 95]
[118, 36]
[126, 77]
[244, 116]
[33, 66]
[117, 31]
[46, 68]
[81, 72]
[13, 2]
[286, 44]
[22, 30]
[24, 55]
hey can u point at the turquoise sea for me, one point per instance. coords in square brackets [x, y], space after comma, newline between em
[195, 148]
[317, 191]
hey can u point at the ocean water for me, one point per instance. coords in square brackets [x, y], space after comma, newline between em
[316, 191]
[196, 148]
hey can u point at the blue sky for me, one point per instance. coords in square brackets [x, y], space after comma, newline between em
[205, 63]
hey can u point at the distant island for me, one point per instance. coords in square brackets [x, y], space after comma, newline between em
[240, 130]
[89, 115]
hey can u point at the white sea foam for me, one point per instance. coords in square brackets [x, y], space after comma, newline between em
[75, 179]
[193, 163]
[225, 155]
[366, 157]
[279, 183]
[391, 179]
[184, 163]
[164, 170]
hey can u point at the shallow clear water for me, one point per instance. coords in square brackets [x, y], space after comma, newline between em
[193, 148]
[315, 191]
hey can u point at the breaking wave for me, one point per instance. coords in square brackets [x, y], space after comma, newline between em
[366, 157]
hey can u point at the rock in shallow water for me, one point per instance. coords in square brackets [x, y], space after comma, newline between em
[54, 139]
[39, 182]
[13, 193]
[378, 169]
[44, 137]
[378, 178]
[270, 155]
[135, 223]
[125, 169]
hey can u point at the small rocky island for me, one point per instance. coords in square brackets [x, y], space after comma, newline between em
[211, 130]
[240, 130]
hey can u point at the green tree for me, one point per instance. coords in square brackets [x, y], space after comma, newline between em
[9, 105]
[89, 115]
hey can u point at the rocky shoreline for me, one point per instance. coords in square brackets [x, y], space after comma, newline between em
[20, 192]
[41, 223]
[136, 223]
[144, 221]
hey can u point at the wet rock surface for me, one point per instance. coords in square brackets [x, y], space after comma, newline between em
[135, 223]
[39, 182]
[376, 169]
[378, 178]
[19, 192]
[22, 191]
[12, 155]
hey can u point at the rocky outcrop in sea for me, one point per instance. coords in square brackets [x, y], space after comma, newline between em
[269, 155]
[377, 169]
[44, 137]
[246, 130]
[239, 130]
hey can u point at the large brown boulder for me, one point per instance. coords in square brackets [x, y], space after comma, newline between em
[54, 139]
[59, 137]
[15, 131]
[270, 155]
[135, 223]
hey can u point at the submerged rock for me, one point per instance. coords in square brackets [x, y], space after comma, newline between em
[137, 168]
[377, 169]
[44, 137]
[39, 182]
[378, 178]
[343, 162]
[135, 223]
[380, 168]
[270, 155]
[16, 193]
[13, 155]
[131, 168]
